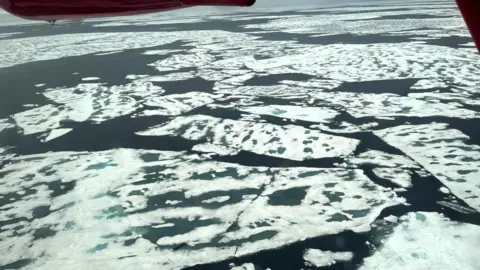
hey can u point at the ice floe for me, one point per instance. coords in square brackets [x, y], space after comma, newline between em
[4, 124]
[362, 62]
[324, 202]
[7, 35]
[176, 104]
[361, 23]
[397, 176]
[80, 209]
[5, 155]
[178, 61]
[382, 159]
[424, 240]
[147, 20]
[459, 97]
[88, 101]
[391, 219]
[320, 258]
[219, 199]
[47, 117]
[90, 79]
[265, 139]
[171, 77]
[428, 84]
[215, 149]
[87, 216]
[311, 114]
[444, 190]
[346, 127]
[283, 91]
[39, 48]
[381, 105]
[435, 7]
[55, 133]
[245, 266]
[443, 152]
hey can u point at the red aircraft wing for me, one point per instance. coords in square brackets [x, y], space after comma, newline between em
[470, 10]
[50, 10]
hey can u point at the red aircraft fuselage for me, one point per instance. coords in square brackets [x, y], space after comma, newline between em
[470, 10]
[50, 10]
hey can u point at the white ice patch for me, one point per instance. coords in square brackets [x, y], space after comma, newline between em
[444, 153]
[40, 47]
[135, 77]
[365, 62]
[361, 23]
[257, 17]
[215, 149]
[316, 84]
[335, 200]
[108, 53]
[311, 114]
[47, 117]
[90, 79]
[345, 127]
[428, 241]
[233, 63]
[160, 52]
[91, 225]
[444, 190]
[457, 207]
[55, 133]
[383, 159]
[111, 24]
[236, 101]
[397, 176]
[391, 219]
[245, 266]
[176, 104]
[5, 155]
[280, 90]
[147, 20]
[469, 44]
[171, 77]
[92, 101]
[4, 124]
[172, 202]
[320, 258]
[7, 35]
[381, 105]
[292, 142]
[436, 9]
[219, 199]
[178, 61]
[459, 97]
[428, 84]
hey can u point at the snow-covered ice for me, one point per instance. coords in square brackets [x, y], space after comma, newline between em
[443, 152]
[320, 258]
[425, 240]
[265, 139]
